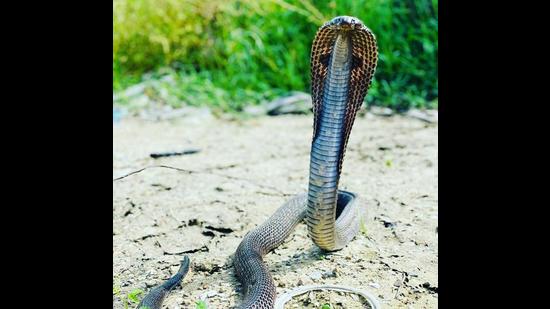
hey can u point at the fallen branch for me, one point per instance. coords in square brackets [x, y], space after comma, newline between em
[174, 153]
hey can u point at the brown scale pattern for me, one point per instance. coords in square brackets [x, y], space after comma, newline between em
[365, 57]
[320, 56]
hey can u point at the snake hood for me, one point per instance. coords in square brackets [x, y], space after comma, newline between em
[343, 59]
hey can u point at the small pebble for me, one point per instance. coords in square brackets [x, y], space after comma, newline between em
[304, 280]
[209, 294]
[329, 274]
[316, 275]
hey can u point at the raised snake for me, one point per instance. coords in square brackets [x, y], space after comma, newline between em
[343, 60]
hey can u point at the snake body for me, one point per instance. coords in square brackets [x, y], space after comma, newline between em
[343, 60]
[154, 299]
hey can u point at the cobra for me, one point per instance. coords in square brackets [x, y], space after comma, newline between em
[343, 60]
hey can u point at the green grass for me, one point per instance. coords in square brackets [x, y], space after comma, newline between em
[363, 227]
[326, 306]
[116, 289]
[178, 88]
[230, 53]
[130, 299]
[200, 305]
[133, 296]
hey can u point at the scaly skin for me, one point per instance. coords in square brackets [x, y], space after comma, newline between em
[343, 59]
[154, 299]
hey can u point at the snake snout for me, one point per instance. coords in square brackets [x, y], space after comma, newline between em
[346, 22]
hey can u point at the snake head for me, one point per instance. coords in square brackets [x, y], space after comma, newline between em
[345, 23]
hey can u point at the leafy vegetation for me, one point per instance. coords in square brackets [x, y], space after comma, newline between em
[130, 299]
[363, 227]
[231, 53]
[116, 289]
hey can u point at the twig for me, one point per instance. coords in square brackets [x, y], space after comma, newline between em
[142, 169]
[201, 249]
[174, 153]
[134, 172]
[204, 172]
[402, 282]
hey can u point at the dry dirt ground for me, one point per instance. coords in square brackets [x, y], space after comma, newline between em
[243, 172]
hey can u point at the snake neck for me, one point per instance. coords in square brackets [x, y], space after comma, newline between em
[327, 147]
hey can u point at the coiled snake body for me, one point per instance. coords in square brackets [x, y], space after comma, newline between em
[343, 60]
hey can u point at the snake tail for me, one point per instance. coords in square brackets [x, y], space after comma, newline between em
[154, 299]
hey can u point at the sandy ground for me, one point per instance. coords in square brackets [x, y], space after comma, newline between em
[244, 171]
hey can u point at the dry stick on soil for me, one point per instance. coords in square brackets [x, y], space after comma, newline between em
[203, 172]
[399, 286]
